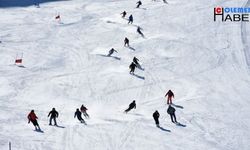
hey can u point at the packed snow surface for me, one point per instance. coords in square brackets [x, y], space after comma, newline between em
[205, 63]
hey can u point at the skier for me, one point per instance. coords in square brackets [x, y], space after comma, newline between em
[84, 111]
[53, 115]
[32, 117]
[132, 67]
[126, 42]
[124, 13]
[156, 116]
[135, 60]
[170, 95]
[171, 112]
[139, 3]
[79, 115]
[130, 19]
[139, 31]
[131, 106]
[112, 51]
[164, 1]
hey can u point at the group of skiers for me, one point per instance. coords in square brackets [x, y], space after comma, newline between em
[170, 111]
[134, 63]
[156, 114]
[53, 114]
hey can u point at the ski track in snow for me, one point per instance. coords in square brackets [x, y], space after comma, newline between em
[198, 59]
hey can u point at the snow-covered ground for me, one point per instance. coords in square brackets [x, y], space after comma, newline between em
[204, 62]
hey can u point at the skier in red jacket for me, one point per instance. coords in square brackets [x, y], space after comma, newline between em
[170, 95]
[84, 111]
[33, 118]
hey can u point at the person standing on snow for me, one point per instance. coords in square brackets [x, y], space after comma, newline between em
[156, 116]
[131, 106]
[112, 51]
[170, 96]
[171, 112]
[84, 111]
[53, 115]
[132, 67]
[126, 42]
[124, 13]
[130, 19]
[139, 3]
[79, 115]
[33, 118]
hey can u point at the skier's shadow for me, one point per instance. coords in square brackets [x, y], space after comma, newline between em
[180, 125]
[112, 22]
[40, 131]
[117, 58]
[138, 76]
[60, 126]
[178, 106]
[21, 66]
[131, 48]
[163, 129]
[142, 35]
[142, 8]
[139, 67]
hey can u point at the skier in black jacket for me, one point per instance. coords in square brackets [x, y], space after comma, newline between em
[53, 115]
[130, 19]
[126, 42]
[111, 52]
[79, 115]
[156, 116]
[131, 106]
[135, 60]
[123, 14]
[132, 67]
[139, 3]
[171, 112]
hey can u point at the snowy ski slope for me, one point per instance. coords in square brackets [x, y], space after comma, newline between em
[205, 63]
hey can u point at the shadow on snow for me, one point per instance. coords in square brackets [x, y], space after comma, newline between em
[118, 58]
[163, 129]
[138, 76]
[178, 106]
[181, 125]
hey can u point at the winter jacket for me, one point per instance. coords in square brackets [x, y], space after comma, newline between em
[53, 114]
[130, 18]
[83, 108]
[132, 66]
[171, 110]
[135, 60]
[32, 116]
[132, 105]
[78, 114]
[169, 93]
[156, 114]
